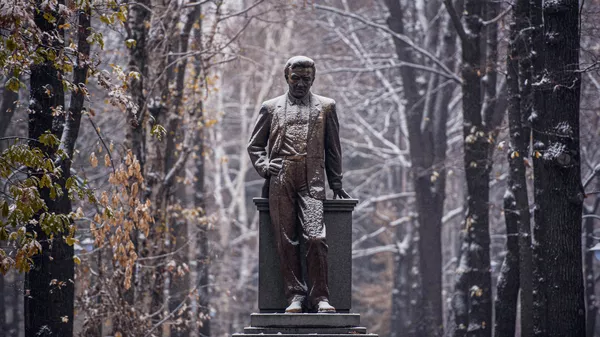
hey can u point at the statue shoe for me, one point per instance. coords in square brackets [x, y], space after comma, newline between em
[294, 308]
[324, 306]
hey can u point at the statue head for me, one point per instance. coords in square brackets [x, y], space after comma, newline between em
[299, 75]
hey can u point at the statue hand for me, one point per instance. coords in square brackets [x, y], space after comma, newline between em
[341, 193]
[275, 166]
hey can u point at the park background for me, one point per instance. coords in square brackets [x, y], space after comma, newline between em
[172, 92]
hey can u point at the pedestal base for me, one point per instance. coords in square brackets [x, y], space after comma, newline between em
[303, 325]
[338, 222]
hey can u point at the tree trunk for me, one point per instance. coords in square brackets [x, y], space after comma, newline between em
[473, 287]
[179, 285]
[80, 72]
[49, 285]
[49, 288]
[516, 205]
[7, 110]
[3, 321]
[401, 323]
[135, 133]
[426, 118]
[17, 296]
[559, 308]
[522, 139]
[460, 298]
[138, 61]
[590, 291]
[203, 257]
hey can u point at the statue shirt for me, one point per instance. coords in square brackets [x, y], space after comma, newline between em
[296, 126]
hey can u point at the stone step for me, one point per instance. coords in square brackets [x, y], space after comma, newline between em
[299, 335]
[305, 330]
[305, 320]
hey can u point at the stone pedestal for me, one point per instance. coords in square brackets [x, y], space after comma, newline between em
[338, 224]
[271, 321]
[301, 325]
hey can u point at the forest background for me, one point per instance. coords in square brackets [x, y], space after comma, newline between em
[146, 172]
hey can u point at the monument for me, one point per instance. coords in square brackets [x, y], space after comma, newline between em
[294, 145]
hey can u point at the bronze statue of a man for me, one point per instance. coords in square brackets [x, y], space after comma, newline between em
[295, 139]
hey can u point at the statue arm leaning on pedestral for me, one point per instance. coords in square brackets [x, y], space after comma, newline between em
[333, 153]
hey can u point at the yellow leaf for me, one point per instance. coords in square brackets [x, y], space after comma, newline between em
[46, 181]
[11, 44]
[77, 260]
[49, 17]
[13, 84]
[130, 43]
[71, 241]
[210, 122]
[106, 19]
[122, 14]
[537, 154]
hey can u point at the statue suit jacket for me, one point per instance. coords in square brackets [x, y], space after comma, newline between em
[323, 147]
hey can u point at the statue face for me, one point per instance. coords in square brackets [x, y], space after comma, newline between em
[300, 80]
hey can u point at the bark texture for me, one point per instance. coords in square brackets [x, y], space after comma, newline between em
[3, 323]
[559, 308]
[8, 105]
[402, 324]
[521, 138]
[201, 280]
[516, 205]
[135, 138]
[179, 290]
[73, 116]
[49, 286]
[590, 292]
[7, 110]
[472, 300]
[138, 61]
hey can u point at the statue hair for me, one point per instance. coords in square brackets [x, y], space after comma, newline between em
[301, 62]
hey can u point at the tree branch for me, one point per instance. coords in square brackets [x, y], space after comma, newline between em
[497, 18]
[401, 37]
[394, 66]
[588, 180]
[73, 117]
[243, 11]
[460, 29]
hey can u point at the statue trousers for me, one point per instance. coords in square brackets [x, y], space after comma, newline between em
[293, 210]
